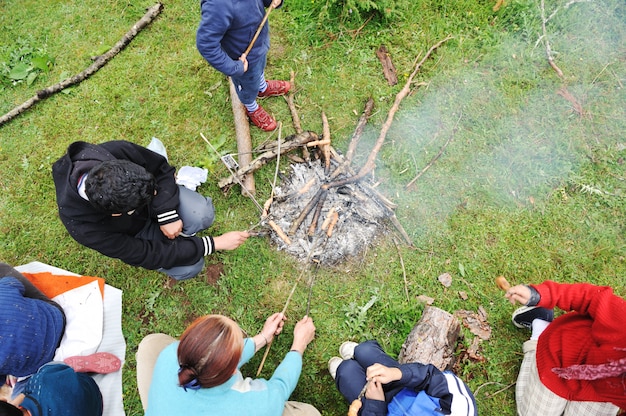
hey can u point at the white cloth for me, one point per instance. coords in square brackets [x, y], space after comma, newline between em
[191, 177]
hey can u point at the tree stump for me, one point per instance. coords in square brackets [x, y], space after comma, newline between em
[432, 340]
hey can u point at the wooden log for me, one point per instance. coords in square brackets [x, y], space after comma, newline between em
[432, 340]
[244, 141]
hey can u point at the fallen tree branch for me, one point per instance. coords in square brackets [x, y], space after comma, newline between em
[92, 69]
[549, 54]
[370, 163]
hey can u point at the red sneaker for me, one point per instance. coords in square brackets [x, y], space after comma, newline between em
[99, 363]
[275, 88]
[262, 120]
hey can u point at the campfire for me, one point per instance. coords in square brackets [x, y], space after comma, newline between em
[324, 211]
[341, 222]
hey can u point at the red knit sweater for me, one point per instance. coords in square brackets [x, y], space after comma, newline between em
[594, 333]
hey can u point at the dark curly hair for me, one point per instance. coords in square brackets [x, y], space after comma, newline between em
[119, 186]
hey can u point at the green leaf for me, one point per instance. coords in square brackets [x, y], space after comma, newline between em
[462, 269]
[20, 71]
[31, 78]
[42, 62]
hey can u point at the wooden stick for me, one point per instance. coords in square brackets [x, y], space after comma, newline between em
[370, 163]
[292, 107]
[331, 225]
[290, 143]
[406, 283]
[92, 69]
[545, 36]
[279, 231]
[318, 143]
[305, 211]
[329, 217]
[258, 30]
[316, 214]
[269, 345]
[244, 141]
[326, 147]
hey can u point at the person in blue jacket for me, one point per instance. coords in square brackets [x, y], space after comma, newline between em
[226, 29]
[32, 325]
[56, 390]
[377, 385]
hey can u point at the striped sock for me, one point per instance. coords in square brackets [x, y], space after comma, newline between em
[263, 84]
[252, 107]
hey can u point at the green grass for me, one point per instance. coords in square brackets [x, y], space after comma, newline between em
[527, 188]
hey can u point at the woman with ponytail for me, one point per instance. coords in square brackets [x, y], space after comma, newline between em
[200, 374]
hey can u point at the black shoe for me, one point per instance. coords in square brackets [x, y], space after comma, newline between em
[523, 317]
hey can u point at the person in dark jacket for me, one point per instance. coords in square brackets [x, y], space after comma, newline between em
[32, 325]
[377, 385]
[56, 389]
[122, 200]
[226, 29]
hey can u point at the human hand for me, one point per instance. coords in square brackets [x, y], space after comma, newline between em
[243, 58]
[375, 391]
[519, 293]
[303, 334]
[173, 229]
[383, 374]
[276, 3]
[230, 240]
[273, 326]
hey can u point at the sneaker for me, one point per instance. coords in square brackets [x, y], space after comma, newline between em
[262, 120]
[99, 363]
[275, 88]
[333, 365]
[346, 350]
[523, 317]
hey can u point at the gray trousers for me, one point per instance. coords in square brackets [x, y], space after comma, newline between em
[197, 213]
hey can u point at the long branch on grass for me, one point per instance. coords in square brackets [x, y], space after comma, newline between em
[437, 156]
[370, 163]
[92, 69]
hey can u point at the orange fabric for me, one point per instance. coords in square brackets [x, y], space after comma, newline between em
[53, 284]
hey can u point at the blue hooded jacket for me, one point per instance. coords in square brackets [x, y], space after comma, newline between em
[226, 29]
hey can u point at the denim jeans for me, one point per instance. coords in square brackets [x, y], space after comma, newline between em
[247, 85]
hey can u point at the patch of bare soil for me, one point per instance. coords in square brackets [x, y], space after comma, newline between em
[213, 272]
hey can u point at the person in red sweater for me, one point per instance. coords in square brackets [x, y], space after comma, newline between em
[575, 364]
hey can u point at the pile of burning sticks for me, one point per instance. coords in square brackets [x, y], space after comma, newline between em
[324, 210]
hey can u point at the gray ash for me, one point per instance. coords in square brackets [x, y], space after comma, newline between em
[360, 216]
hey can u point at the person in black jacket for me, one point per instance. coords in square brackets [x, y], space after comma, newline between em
[377, 385]
[122, 200]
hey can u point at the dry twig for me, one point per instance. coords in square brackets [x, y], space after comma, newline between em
[92, 69]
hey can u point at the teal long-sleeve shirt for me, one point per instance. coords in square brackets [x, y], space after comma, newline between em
[237, 396]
